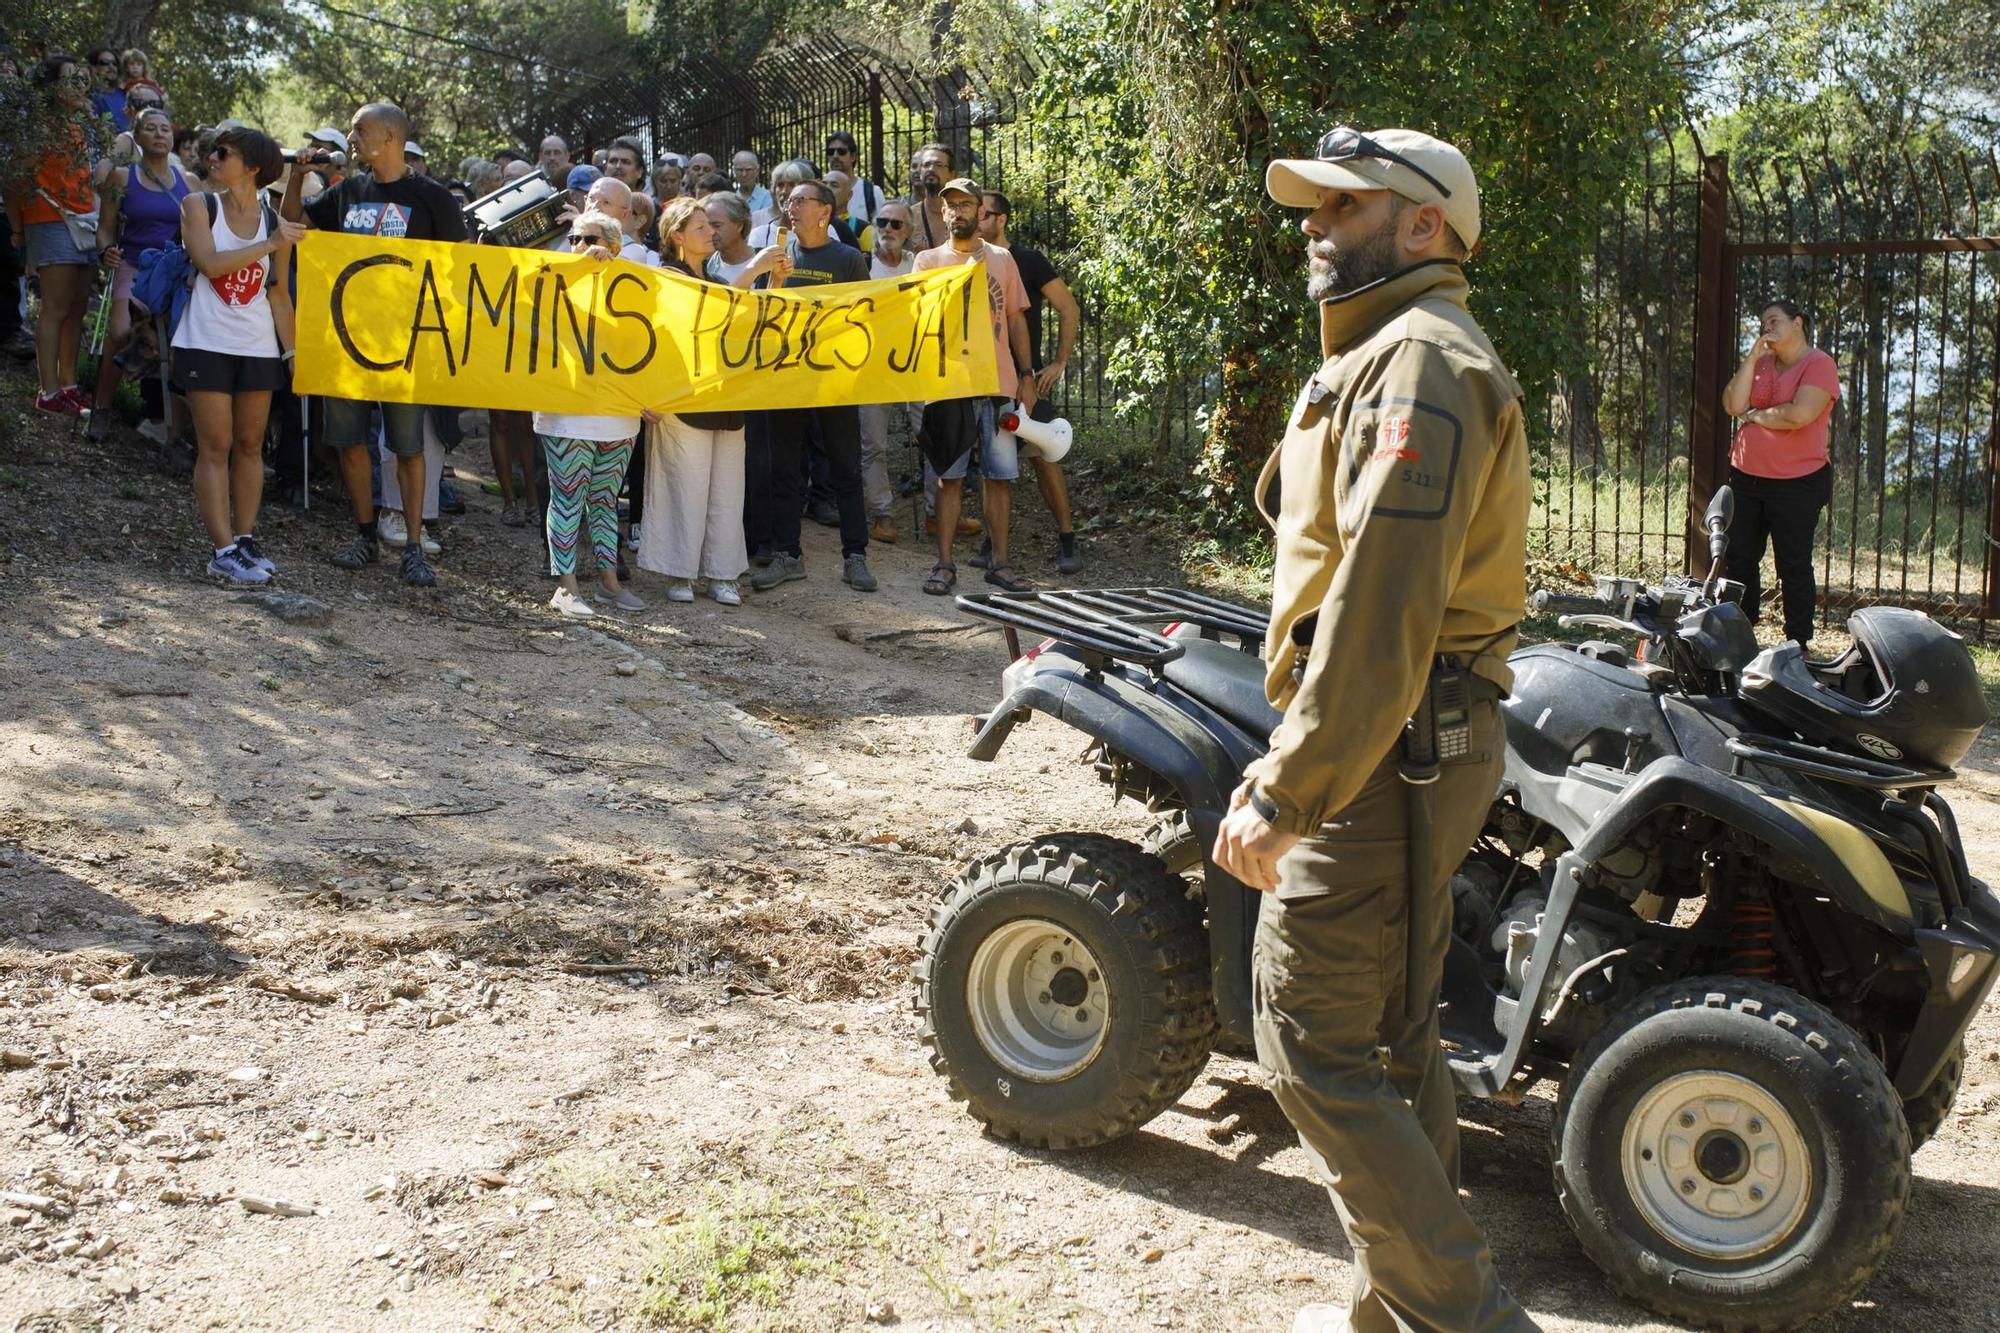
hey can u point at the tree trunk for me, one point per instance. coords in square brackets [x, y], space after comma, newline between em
[132, 23]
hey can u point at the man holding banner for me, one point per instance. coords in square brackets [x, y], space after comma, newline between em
[389, 201]
[954, 429]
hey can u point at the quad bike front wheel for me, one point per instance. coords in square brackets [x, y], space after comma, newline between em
[1731, 1154]
[1064, 990]
[1926, 1111]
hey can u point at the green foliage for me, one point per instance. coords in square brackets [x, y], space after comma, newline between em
[1190, 101]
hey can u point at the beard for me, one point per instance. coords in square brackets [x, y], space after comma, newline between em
[1335, 271]
[963, 229]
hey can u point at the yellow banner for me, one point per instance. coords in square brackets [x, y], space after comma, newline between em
[484, 326]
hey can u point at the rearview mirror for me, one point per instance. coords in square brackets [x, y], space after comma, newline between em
[1721, 510]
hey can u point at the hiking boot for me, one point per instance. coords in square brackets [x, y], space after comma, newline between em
[983, 557]
[883, 530]
[358, 552]
[415, 569]
[782, 569]
[825, 513]
[854, 573]
[967, 527]
[233, 566]
[248, 548]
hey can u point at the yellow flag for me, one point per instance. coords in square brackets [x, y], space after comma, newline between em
[532, 330]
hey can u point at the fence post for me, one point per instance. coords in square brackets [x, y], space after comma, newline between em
[875, 130]
[1714, 343]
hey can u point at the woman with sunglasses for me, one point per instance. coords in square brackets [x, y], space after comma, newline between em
[231, 345]
[587, 457]
[146, 216]
[53, 216]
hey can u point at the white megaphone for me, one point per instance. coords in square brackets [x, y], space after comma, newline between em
[1043, 439]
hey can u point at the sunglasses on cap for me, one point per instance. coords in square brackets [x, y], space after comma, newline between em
[1342, 143]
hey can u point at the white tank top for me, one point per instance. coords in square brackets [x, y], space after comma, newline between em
[232, 313]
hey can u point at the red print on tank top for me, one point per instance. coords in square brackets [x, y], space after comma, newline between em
[241, 287]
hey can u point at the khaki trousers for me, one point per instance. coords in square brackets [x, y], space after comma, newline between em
[1367, 1089]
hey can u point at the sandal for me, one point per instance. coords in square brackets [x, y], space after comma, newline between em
[943, 577]
[1004, 575]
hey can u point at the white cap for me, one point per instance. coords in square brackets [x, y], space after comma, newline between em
[1422, 169]
[411, 148]
[329, 136]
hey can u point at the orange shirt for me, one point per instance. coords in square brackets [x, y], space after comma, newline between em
[1763, 452]
[65, 178]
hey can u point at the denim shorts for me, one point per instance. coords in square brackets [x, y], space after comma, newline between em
[402, 425]
[999, 454]
[50, 243]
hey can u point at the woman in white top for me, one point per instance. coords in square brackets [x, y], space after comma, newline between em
[587, 457]
[230, 349]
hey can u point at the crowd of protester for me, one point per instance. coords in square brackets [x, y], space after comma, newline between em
[186, 232]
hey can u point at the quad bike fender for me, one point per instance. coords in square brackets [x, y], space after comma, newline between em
[1960, 958]
[1202, 763]
[1829, 853]
[1854, 873]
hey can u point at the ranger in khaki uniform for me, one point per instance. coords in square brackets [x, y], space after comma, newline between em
[1400, 501]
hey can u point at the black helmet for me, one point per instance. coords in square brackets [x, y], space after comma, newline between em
[1905, 691]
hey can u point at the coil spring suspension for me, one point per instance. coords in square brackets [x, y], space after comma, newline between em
[1751, 928]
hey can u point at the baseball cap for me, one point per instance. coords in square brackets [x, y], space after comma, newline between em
[1422, 169]
[412, 148]
[582, 177]
[329, 136]
[960, 185]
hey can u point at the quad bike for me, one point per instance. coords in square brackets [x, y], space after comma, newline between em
[1717, 900]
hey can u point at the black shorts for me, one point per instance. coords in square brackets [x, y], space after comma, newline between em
[196, 370]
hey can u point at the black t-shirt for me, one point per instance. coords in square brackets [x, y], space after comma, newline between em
[1036, 273]
[824, 265]
[414, 208]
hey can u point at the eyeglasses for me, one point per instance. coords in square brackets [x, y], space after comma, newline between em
[896, 224]
[986, 213]
[586, 238]
[1341, 143]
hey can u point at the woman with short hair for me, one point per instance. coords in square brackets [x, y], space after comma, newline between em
[149, 192]
[587, 456]
[1779, 464]
[53, 215]
[231, 345]
[693, 517]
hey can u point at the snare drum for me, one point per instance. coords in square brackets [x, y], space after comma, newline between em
[523, 213]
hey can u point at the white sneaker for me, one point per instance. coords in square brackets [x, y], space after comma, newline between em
[156, 431]
[680, 590]
[570, 606]
[724, 591]
[236, 567]
[390, 530]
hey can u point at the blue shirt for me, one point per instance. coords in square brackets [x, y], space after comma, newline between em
[111, 102]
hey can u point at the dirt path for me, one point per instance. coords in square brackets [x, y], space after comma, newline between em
[562, 971]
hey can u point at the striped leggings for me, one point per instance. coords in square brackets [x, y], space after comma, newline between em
[584, 477]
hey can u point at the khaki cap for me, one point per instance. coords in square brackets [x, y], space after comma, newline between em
[960, 185]
[1422, 169]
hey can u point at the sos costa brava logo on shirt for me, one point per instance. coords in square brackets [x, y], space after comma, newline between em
[391, 220]
[241, 287]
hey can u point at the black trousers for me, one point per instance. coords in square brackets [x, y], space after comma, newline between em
[12, 270]
[1785, 510]
[778, 479]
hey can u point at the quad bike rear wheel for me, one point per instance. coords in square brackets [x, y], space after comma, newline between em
[1731, 1154]
[1064, 991]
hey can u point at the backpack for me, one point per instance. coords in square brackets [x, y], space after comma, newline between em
[164, 280]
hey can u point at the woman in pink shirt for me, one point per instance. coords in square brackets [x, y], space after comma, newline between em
[1782, 397]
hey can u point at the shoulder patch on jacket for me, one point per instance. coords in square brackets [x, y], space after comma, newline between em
[1399, 459]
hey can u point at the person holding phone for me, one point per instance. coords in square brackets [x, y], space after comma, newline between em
[1779, 466]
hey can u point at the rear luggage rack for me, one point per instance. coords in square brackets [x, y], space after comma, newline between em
[1110, 624]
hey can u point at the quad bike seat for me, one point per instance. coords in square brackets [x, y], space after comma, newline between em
[1228, 680]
